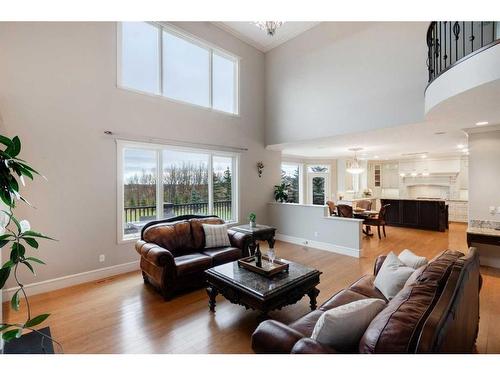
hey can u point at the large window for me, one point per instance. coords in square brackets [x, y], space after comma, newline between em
[160, 60]
[157, 181]
[291, 176]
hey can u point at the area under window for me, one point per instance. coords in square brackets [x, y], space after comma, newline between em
[157, 181]
[161, 60]
[291, 176]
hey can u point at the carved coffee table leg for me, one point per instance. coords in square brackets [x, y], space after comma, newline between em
[313, 293]
[212, 293]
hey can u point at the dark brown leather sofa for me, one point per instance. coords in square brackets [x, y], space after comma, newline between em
[436, 312]
[173, 254]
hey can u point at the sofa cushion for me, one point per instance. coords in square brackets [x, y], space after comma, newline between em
[392, 276]
[221, 255]
[197, 230]
[341, 298]
[175, 237]
[366, 287]
[397, 328]
[192, 263]
[216, 235]
[411, 259]
[343, 326]
[305, 325]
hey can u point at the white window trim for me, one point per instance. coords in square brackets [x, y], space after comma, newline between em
[121, 145]
[301, 178]
[192, 39]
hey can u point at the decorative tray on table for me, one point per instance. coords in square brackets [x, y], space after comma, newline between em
[268, 269]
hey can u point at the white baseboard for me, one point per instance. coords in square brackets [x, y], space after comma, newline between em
[69, 280]
[319, 245]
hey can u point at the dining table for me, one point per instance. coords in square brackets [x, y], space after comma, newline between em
[360, 213]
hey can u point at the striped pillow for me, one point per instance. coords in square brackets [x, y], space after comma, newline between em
[216, 235]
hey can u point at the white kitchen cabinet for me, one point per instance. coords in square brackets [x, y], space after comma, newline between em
[390, 176]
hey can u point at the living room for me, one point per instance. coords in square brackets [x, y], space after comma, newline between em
[209, 184]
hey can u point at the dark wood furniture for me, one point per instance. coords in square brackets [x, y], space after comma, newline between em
[365, 204]
[378, 221]
[365, 215]
[332, 209]
[173, 256]
[258, 233]
[417, 213]
[344, 210]
[492, 238]
[251, 290]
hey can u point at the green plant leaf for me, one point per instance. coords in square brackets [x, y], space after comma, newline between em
[6, 141]
[31, 241]
[36, 320]
[17, 252]
[5, 236]
[26, 166]
[14, 220]
[4, 275]
[36, 260]
[3, 243]
[8, 264]
[14, 302]
[29, 266]
[15, 147]
[4, 327]
[30, 233]
[12, 334]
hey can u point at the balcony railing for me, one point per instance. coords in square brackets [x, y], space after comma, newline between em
[450, 42]
[137, 216]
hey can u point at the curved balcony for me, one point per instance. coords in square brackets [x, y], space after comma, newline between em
[452, 42]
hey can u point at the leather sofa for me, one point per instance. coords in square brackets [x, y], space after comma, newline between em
[173, 254]
[437, 311]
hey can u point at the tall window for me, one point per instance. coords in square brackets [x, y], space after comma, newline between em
[162, 61]
[290, 175]
[157, 181]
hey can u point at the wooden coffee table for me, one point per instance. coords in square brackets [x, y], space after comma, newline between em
[251, 290]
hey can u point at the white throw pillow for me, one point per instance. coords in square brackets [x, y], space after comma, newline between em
[411, 259]
[342, 327]
[392, 276]
[216, 235]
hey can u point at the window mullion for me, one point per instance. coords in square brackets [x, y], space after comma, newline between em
[210, 185]
[159, 184]
[160, 55]
[210, 78]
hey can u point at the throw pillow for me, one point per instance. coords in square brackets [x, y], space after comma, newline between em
[412, 260]
[216, 235]
[343, 326]
[392, 276]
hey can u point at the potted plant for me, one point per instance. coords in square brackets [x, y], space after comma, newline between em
[281, 192]
[252, 218]
[18, 236]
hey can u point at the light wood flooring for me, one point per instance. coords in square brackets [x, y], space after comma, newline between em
[122, 315]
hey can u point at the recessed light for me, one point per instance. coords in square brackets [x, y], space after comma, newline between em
[376, 157]
[480, 123]
[465, 150]
[402, 174]
[460, 146]
[423, 156]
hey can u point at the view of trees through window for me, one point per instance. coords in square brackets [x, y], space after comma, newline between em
[290, 175]
[185, 182]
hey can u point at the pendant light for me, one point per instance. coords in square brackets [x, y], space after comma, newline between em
[355, 168]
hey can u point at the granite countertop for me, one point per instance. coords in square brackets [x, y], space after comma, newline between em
[417, 199]
[485, 231]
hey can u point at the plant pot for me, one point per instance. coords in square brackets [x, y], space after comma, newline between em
[253, 224]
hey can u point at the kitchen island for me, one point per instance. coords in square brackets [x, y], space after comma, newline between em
[431, 214]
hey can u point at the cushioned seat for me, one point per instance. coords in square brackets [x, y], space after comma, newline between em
[341, 298]
[191, 263]
[221, 255]
[365, 287]
[305, 325]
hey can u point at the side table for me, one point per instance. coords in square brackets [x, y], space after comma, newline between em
[259, 233]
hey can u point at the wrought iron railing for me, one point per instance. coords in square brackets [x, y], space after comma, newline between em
[137, 216]
[450, 42]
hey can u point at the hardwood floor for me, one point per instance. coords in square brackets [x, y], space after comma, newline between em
[122, 315]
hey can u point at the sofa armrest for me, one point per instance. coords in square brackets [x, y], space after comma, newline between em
[378, 263]
[155, 254]
[310, 346]
[240, 240]
[272, 336]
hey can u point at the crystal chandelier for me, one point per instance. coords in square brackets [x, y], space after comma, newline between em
[269, 26]
[355, 168]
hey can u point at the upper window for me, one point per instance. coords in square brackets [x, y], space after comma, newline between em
[290, 175]
[318, 168]
[162, 61]
[157, 181]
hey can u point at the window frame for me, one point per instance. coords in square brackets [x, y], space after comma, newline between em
[301, 178]
[121, 145]
[180, 33]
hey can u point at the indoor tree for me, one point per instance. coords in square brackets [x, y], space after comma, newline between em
[17, 236]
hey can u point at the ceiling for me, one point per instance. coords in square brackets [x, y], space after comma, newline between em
[251, 34]
[439, 135]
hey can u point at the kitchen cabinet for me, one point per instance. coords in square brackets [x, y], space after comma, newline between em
[390, 176]
[417, 213]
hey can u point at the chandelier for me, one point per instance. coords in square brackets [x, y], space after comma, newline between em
[269, 26]
[355, 168]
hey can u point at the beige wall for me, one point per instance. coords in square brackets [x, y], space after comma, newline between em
[58, 93]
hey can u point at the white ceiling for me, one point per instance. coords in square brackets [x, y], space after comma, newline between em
[449, 117]
[251, 34]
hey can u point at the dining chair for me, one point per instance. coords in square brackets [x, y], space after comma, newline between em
[378, 221]
[344, 210]
[365, 204]
[331, 208]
